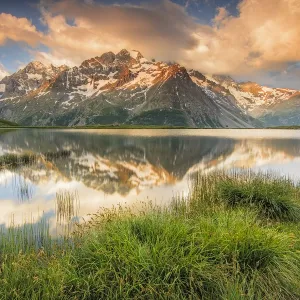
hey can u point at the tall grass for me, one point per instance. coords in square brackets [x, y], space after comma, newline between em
[67, 206]
[235, 237]
[274, 197]
[24, 238]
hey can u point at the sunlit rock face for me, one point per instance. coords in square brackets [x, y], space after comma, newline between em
[117, 88]
[272, 106]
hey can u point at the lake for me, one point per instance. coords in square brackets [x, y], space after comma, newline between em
[92, 169]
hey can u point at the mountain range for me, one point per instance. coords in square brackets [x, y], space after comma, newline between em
[126, 88]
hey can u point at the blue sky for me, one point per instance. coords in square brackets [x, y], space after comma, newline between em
[214, 36]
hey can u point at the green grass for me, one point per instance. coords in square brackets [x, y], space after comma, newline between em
[235, 237]
[285, 127]
[110, 126]
[4, 123]
[275, 198]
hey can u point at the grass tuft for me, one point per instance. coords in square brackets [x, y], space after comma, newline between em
[274, 197]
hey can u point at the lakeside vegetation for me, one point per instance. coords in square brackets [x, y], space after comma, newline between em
[112, 126]
[236, 236]
[145, 125]
[4, 123]
[128, 126]
[285, 127]
[149, 125]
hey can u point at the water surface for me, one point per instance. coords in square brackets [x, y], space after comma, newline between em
[102, 168]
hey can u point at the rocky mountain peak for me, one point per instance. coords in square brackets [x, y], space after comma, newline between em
[137, 55]
[197, 74]
[224, 79]
[124, 53]
[107, 58]
[126, 57]
[34, 66]
[177, 70]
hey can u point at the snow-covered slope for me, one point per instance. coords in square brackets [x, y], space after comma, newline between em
[258, 100]
[271, 106]
[3, 72]
[34, 77]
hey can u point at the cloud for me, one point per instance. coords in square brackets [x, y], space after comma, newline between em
[18, 30]
[221, 16]
[80, 30]
[264, 36]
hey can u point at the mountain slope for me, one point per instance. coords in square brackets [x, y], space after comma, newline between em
[273, 106]
[285, 113]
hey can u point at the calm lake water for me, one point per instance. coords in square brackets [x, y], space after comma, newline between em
[102, 168]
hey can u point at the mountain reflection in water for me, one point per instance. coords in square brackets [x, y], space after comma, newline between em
[108, 167]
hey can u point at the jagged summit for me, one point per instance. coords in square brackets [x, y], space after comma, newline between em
[124, 57]
[129, 57]
[36, 65]
[28, 79]
[107, 58]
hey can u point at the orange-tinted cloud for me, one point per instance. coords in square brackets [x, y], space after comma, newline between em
[18, 30]
[158, 29]
[264, 36]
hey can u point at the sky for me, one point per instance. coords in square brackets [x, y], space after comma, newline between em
[250, 40]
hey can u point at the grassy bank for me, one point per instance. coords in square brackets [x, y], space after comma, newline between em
[5, 123]
[112, 126]
[285, 127]
[234, 237]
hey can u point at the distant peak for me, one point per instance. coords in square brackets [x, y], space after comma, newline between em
[127, 55]
[136, 54]
[123, 53]
[33, 67]
[36, 64]
[223, 78]
[108, 58]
